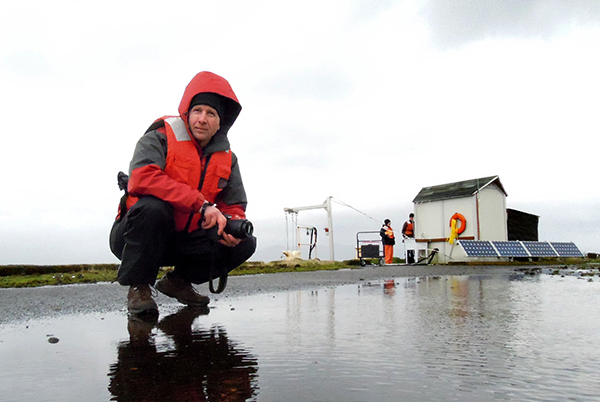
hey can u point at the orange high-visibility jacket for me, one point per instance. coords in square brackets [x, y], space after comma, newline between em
[408, 229]
[387, 235]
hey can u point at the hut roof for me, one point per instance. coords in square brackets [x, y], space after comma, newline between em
[461, 189]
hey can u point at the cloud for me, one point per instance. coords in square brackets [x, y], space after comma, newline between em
[455, 23]
[27, 63]
[319, 84]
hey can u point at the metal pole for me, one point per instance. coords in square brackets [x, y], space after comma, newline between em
[330, 225]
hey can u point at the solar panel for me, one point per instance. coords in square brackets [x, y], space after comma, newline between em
[485, 248]
[566, 249]
[510, 249]
[539, 249]
[478, 248]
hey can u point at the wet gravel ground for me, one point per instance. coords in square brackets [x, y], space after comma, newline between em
[48, 301]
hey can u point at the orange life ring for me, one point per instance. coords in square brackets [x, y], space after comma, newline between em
[463, 222]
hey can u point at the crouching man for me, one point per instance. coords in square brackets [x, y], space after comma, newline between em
[184, 184]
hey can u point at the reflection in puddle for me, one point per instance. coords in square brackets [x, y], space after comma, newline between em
[187, 364]
[467, 338]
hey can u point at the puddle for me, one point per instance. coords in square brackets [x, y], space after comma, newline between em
[467, 338]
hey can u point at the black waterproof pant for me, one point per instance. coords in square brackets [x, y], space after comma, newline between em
[146, 239]
[410, 255]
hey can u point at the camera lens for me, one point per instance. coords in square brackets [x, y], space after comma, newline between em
[239, 228]
[247, 228]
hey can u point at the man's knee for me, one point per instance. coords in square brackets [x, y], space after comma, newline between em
[148, 223]
[150, 210]
[247, 247]
[244, 250]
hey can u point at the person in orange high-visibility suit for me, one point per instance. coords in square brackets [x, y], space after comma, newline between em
[387, 237]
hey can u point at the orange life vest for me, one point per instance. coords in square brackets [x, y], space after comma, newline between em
[184, 165]
[389, 232]
[410, 228]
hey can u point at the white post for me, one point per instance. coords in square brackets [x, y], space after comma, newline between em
[330, 226]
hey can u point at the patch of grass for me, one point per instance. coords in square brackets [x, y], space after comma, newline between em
[8, 270]
[31, 275]
[252, 268]
[18, 276]
[58, 278]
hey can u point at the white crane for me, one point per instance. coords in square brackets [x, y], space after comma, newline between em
[327, 206]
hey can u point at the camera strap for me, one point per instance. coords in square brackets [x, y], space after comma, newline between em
[220, 287]
[212, 276]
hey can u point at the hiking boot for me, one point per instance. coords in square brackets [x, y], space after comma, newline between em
[139, 300]
[183, 291]
[140, 328]
[181, 322]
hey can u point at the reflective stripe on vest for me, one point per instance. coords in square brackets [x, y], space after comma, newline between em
[178, 128]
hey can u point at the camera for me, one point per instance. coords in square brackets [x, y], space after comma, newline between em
[238, 228]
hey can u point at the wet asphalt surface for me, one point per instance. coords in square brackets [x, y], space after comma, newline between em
[53, 301]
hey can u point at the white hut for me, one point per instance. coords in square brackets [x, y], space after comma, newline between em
[482, 202]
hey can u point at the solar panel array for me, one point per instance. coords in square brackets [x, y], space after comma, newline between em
[486, 248]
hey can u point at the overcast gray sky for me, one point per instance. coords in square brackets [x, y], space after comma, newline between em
[364, 101]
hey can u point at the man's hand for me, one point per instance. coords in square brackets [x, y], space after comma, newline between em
[228, 240]
[212, 216]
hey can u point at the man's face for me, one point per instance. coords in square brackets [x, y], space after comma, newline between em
[204, 122]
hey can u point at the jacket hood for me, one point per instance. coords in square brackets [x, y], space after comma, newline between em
[206, 81]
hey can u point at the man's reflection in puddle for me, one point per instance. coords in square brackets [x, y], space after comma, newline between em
[192, 364]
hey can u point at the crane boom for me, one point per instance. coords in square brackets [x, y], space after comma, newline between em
[297, 209]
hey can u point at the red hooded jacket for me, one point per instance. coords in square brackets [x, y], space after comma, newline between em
[168, 162]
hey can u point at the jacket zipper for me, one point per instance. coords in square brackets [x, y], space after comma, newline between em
[202, 177]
